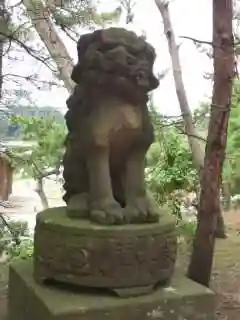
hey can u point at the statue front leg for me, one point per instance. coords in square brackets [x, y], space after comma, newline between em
[139, 207]
[103, 208]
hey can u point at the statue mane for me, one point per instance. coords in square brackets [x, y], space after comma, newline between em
[115, 61]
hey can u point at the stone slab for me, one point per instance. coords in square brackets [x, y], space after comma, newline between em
[184, 300]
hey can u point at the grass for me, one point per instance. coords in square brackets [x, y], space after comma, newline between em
[226, 272]
[226, 269]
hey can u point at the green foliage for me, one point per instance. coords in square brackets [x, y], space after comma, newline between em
[8, 245]
[170, 168]
[84, 16]
[232, 162]
[47, 139]
[186, 230]
[22, 251]
[9, 130]
[73, 14]
[16, 31]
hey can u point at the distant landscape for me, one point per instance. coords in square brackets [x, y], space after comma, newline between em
[10, 131]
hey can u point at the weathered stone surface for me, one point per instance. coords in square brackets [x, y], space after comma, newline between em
[113, 53]
[116, 257]
[29, 301]
[110, 130]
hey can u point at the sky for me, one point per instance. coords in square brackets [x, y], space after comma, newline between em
[190, 18]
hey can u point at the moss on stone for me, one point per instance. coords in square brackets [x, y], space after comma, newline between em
[183, 300]
[56, 218]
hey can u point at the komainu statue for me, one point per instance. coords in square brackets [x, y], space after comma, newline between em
[93, 267]
[110, 129]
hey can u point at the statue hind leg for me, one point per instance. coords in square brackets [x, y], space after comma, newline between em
[76, 185]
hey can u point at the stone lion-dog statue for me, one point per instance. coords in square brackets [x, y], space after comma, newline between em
[110, 130]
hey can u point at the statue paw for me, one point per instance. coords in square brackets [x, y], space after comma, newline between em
[78, 205]
[107, 212]
[153, 210]
[141, 210]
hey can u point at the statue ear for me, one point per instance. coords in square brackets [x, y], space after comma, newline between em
[76, 74]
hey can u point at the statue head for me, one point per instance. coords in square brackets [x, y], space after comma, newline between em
[116, 60]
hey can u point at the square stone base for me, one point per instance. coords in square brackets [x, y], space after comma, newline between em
[184, 300]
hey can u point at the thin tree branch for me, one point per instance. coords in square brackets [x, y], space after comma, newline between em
[30, 78]
[192, 135]
[197, 40]
[32, 52]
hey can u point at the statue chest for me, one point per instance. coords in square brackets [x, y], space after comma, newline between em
[116, 123]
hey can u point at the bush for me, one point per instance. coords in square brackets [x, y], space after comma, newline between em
[186, 231]
[9, 248]
[22, 251]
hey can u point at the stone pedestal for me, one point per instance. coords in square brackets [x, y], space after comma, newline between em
[128, 259]
[30, 301]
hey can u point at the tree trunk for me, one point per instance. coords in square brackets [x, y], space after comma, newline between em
[40, 191]
[1, 67]
[41, 20]
[2, 40]
[197, 152]
[209, 207]
[198, 155]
